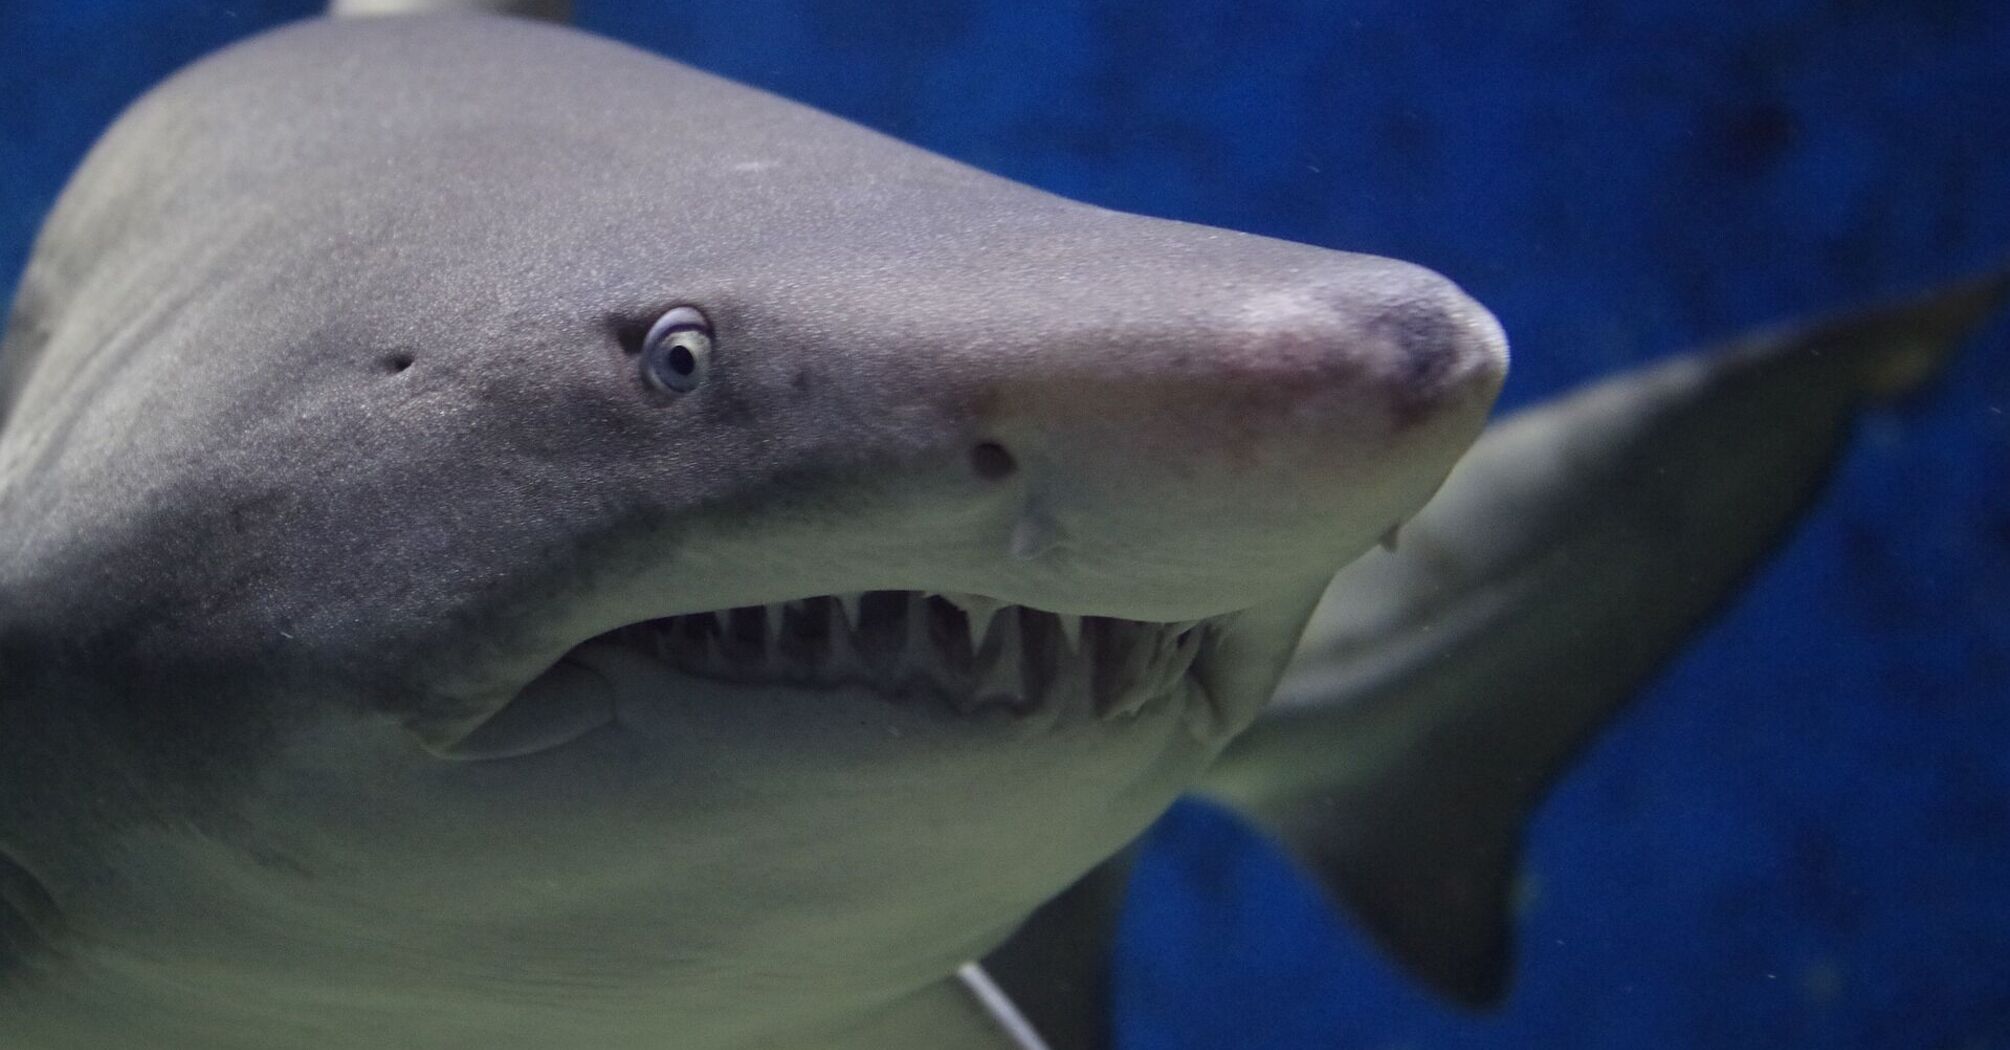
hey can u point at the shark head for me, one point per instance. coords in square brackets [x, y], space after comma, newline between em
[606, 523]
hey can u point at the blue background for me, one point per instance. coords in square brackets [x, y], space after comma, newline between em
[1801, 836]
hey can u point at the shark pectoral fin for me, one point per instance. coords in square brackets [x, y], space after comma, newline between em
[1057, 967]
[1442, 686]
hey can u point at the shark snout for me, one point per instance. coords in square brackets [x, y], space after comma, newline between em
[1275, 439]
[1434, 350]
[1378, 348]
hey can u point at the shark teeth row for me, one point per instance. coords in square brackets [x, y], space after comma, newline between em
[973, 651]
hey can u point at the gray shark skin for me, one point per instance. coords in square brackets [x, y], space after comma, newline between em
[442, 457]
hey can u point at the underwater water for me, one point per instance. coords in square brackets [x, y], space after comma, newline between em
[1801, 835]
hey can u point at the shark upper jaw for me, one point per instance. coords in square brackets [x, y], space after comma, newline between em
[960, 655]
[971, 652]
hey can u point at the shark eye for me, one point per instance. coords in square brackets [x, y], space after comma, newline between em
[677, 352]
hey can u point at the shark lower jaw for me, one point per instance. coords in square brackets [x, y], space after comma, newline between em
[972, 653]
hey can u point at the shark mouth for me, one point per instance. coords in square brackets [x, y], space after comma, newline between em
[969, 651]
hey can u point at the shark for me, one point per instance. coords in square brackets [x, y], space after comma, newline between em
[509, 540]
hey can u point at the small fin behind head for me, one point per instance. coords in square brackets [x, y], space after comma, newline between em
[548, 10]
[1444, 685]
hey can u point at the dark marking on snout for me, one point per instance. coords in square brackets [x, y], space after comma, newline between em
[1429, 344]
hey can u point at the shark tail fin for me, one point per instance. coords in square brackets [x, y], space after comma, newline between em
[1442, 687]
[547, 10]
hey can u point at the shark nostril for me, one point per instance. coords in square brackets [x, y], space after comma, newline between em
[991, 461]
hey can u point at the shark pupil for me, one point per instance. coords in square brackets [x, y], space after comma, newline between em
[677, 350]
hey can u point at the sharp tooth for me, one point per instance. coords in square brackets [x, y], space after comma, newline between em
[1133, 677]
[844, 662]
[1071, 630]
[1166, 665]
[748, 645]
[850, 604]
[915, 652]
[977, 614]
[710, 655]
[1189, 648]
[1003, 676]
[771, 640]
